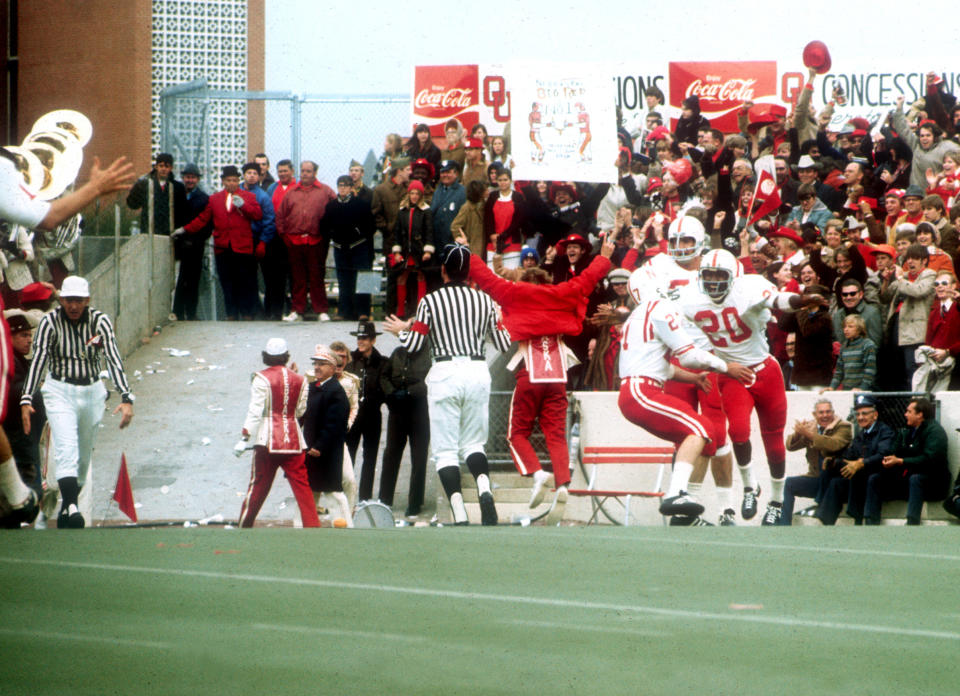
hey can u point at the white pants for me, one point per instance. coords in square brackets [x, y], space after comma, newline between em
[74, 414]
[458, 397]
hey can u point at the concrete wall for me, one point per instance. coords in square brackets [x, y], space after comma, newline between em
[135, 300]
[603, 424]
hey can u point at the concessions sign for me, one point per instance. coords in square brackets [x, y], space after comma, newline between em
[722, 88]
[442, 92]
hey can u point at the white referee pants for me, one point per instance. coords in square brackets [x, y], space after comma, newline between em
[74, 414]
[458, 396]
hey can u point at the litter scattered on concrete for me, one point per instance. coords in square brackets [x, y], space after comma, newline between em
[213, 408]
[164, 489]
[205, 441]
[177, 353]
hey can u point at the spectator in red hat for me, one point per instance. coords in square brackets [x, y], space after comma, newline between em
[412, 269]
[474, 167]
[423, 171]
[421, 146]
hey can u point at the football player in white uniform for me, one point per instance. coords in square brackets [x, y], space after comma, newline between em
[675, 270]
[732, 309]
[651, 334]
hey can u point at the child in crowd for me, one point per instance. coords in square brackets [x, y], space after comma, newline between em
[856, 367]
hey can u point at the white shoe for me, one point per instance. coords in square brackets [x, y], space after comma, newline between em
[540, 479]
[293, 316]
[323, 317]
[555, 516]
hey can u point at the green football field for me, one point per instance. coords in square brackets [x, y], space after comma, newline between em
[596, 610]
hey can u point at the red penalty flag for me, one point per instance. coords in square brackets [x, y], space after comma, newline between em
[123, 493]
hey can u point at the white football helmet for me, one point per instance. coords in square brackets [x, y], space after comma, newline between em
[645, 284]
[685, 227]
[723, 268]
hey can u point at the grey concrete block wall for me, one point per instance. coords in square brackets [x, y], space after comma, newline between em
[125, 289]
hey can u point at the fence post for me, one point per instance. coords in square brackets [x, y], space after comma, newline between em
[296, 105]
[116, 262]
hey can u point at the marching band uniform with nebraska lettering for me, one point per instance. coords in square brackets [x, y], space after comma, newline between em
[278, 397]
[652, 332]
[736, 328]
[537, 316]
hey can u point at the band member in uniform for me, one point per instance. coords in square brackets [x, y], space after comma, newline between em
[457, 319]
[278, 397]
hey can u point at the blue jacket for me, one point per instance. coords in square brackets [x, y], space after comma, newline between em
[264, 229]
[444, 208]
[872, 447]
[819, 215]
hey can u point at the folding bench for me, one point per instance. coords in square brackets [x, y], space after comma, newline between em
[597, 457]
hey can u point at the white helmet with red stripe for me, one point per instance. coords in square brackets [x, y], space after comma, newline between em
[685, 227]
[645, 284]
[718, 269]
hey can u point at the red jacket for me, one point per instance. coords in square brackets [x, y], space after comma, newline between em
[231, 229]
[944, 331]
[300, 213]
[531, 311]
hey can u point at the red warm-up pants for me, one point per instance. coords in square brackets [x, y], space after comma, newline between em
[548, 402]
[308, 264]
[262, 473]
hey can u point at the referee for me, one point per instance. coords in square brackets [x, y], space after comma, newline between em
[73, 339]
[457, 319]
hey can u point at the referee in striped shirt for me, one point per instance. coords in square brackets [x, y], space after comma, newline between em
[457, 319]
[72, 340]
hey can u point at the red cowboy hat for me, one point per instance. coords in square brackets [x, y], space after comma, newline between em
[572, 239]
[816, 56]
[761, 115]
[787, 233]
[558, 187]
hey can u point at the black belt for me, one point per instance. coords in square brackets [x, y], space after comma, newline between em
[446, 358]
[77, 381]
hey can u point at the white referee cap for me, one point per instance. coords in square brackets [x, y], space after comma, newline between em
[74, 286]
[276, 346]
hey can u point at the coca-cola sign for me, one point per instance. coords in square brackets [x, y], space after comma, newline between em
[722, 87]
[442, 92]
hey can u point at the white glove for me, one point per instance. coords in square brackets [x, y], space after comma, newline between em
[240, 448]
[237, 201]
[179, 232]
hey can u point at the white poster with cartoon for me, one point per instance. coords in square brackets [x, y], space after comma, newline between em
[563, 123]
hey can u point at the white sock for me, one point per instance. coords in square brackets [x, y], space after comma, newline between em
[680, 478]
[776, 490]
[725, 496]
[746, 475]
[456, 505]
[344, 506]
[483, 484]
[72, 509]
[11, 485]
[695, 489]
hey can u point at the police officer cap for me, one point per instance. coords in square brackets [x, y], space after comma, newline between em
[864, 401]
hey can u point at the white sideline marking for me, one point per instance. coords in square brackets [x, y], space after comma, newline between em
[509, 599]
[52, 635]
[337, 632]
[768, 547]
[587, 629]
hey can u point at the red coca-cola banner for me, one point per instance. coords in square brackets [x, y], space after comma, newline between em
[722, 87]
[442, 92]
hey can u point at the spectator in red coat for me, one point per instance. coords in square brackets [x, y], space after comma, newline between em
[232, 209]
[943, 326]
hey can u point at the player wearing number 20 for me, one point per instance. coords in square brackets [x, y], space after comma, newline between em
[732, 309]
[653, 332]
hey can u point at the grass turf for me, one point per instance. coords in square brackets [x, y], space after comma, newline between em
[479, 611]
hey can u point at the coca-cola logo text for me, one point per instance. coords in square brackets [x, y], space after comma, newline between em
[453, 98]
[733, 89]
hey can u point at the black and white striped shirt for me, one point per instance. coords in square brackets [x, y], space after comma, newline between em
[457, 319]
[74, 351]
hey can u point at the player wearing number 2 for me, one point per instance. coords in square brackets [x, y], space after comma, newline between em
[651, 334]
[732, 310]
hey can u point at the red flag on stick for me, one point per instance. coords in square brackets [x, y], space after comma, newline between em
[123, 493]
[767, 191]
